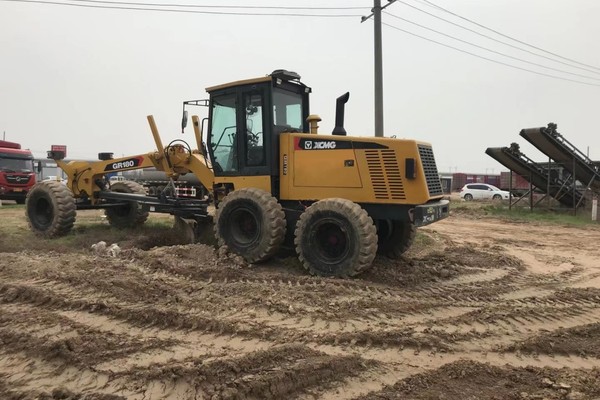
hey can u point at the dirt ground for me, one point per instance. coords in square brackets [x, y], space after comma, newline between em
[480, 308]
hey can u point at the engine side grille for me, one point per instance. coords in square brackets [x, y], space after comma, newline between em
[385, 175]
[431, 173]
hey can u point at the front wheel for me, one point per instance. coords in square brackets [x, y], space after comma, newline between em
[50, 209]
[251, 223]
[468, 197]
[131, 214]
[497, 197]
[336, 237]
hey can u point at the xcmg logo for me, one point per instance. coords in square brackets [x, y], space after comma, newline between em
[320, 145]
[301, 143]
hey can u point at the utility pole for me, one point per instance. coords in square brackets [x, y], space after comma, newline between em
[378, 58]
[378, 69]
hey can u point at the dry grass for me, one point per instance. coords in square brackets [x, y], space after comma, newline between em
[90, 227]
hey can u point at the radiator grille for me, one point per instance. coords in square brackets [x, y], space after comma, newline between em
[431, 173]
[385, 175]
[18, 179]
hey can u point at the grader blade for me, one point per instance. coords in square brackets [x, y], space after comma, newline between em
[185, 229]
[195, 230]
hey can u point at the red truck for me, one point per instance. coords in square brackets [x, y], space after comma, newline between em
[17, 174]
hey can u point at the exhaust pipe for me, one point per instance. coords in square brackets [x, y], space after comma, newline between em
[339, 114]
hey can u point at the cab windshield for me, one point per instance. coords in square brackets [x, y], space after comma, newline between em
[9, 164]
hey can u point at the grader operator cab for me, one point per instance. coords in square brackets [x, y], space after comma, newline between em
[338, 200]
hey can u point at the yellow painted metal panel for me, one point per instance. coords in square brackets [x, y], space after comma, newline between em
[326, 168]
[82, 175]
[238, 182]
[379, 168]
[238, 83]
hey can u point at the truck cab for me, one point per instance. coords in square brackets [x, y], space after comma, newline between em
[17, 173]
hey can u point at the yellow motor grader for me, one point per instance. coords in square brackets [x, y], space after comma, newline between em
[337, 199]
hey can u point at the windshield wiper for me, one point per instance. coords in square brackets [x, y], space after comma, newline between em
[5, 169]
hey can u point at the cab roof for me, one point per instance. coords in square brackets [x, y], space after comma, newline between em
[281, 74]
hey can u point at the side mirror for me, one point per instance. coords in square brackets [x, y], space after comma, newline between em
[39, 167]
[184, 120]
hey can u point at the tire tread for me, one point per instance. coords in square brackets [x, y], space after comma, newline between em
[365, 228]
[64, 206]
[274, 215]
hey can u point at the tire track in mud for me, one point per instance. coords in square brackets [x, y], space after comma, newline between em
[495, 327]
[272, 373]
[467, 379]
[140, 315]
[402, 364]
[235, 331]
[174, 320]
[34, 377]
[33, 331]
[357, 305]
[580, 340]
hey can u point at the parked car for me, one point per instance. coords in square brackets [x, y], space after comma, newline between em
[55, 178]
[482, 191]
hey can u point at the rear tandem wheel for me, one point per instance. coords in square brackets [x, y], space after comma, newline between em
[394, 237]
[336, 237]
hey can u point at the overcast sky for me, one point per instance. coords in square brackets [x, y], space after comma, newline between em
[87, 77]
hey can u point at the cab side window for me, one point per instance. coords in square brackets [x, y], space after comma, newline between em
[254, 135]
[223, 131]
[287, 110]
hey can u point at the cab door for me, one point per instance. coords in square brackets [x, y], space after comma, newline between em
[238, 132]
[223, 130]
[239, 139]
[254, 131]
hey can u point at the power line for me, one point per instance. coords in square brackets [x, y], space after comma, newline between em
[494, 39]
[188, 11]
[490, 50]
[222, 6]
[490, 59]
[506, 36]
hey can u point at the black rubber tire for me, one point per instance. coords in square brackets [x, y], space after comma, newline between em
[251, 223]
[50, 209]
[497, 197]
[394, 238]
[468, 197]
[336, 237]
[130, 215]
[20, 201]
